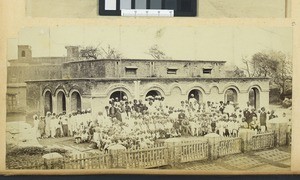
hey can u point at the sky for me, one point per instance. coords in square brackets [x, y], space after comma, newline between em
[224, 43]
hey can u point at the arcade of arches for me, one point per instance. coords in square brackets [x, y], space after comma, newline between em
[74, 102]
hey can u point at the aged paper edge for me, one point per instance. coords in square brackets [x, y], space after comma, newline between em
[13, 19]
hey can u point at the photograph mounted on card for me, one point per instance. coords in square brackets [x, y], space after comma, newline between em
[199, 98]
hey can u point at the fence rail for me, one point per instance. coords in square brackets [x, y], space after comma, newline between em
[160, 154]
[194, 151]
[229, 146]
[147, 158]
[262, 141]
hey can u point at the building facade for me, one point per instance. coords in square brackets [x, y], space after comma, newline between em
[91, 83]
[70, 84]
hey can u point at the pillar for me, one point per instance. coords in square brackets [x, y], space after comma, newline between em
[54, 104]
[118, 156]
[174, 149]
[136, 93]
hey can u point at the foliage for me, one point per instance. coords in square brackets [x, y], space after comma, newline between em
[274, 95]
[30, 151]
[156, 53]
[273, 64]
[94, 53]
[286, 103]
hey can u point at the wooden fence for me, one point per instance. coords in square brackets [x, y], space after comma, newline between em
[193, 151]
[261, 141]
[87, 162]
[146, 158]
[162, 154]
[229, 146]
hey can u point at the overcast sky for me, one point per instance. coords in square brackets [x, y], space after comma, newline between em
[198, 42]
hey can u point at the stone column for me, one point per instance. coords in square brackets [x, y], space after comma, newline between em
[53, 160]
[68, 104]
[54, 104]
[174, 151]
[137, 90]
[280, 132]
[246, 136]
[243, 98]
[118, 156]
[213, 147]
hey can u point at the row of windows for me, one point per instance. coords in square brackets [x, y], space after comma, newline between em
[133, 71]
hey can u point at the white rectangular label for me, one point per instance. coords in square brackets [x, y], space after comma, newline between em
[110, 4]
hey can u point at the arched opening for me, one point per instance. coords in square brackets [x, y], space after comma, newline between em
[61, 102]
[153, 93]
[195, 93]
[75, 101]
[254, 98]
[231, 95]
[118, 95]
[48, 102]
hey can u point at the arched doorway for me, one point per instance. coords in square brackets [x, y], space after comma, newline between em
[75, 101]
[153, 93]
[231, 95]
[61, 102]
[254, 98]
[48, 102]
[196, 93]
[118, 95]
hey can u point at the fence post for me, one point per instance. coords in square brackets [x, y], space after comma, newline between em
[246, 136]
[118, 156]
[280, 129]
[52, 159]
[213, 147]
[174, 151]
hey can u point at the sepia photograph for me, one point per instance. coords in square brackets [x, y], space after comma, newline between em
[202, 98]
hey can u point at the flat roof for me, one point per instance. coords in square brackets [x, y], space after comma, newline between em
[152, 78]
[152, 60]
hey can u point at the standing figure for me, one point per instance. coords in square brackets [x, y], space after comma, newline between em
[47, 124]
[263, 119]
[36, 126]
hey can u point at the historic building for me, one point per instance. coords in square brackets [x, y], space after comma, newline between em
[73, 84]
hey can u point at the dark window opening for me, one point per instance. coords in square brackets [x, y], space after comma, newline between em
[23, 54]
[207, 71]
[131, 70]
[172, 71]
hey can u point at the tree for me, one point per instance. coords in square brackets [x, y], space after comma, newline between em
[273, 64]
[110, 53]
[156, 53]
[94, 53]
[89, 53]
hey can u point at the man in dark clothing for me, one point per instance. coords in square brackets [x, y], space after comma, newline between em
[112, 110]
[181, 117]
[140, 106]
[127, 108]
[263, 119]
[221, 107]
[135, 106]
[247, 116]
[253, 114]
